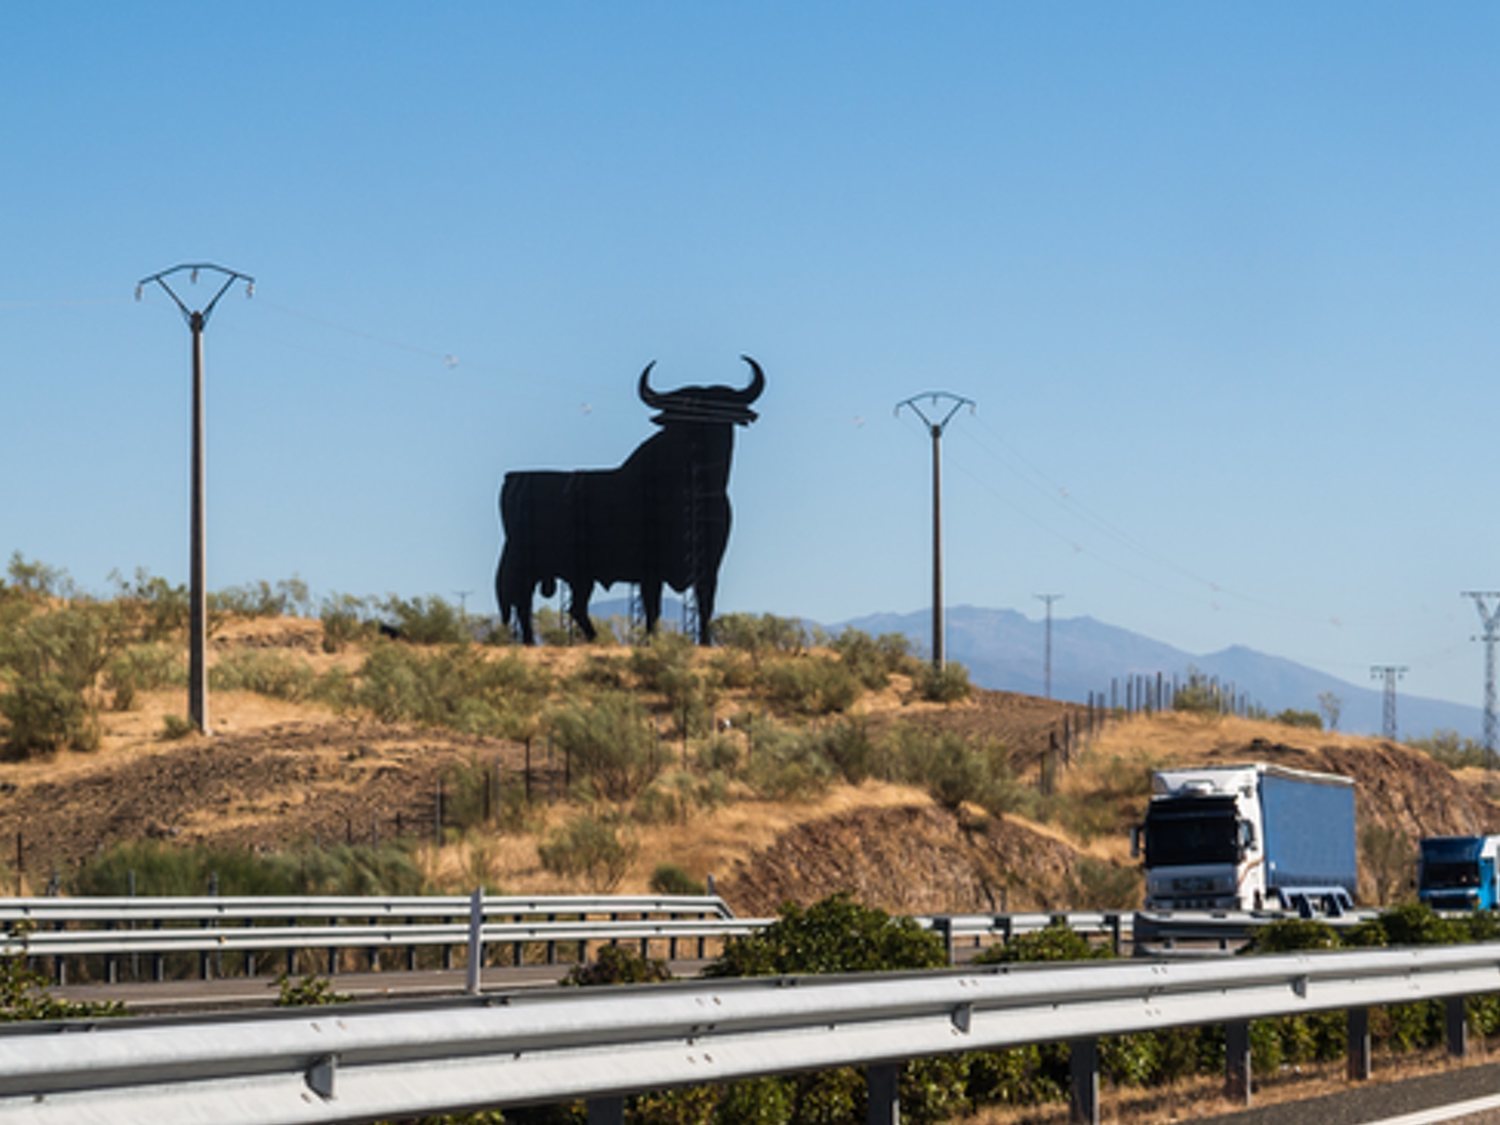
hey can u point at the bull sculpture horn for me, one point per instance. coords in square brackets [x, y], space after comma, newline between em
[648, 396]
[757, 384]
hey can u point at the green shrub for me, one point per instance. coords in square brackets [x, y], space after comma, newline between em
[24, 996]
[154, 606]
[1450, 749]
[872, 660]
[260, 599]
[1288, 935]
[948, 684]
[954, 772]
[809, 685]
[756, 635]
[143, 667]
[162, 869]
[672, 798]
[345, 619]
[174, 727]
[454, 687]
[426, 621]
[590, 850]
[617, 964]
[610, 744]
[787, 765]
[669, 879]
[1199, 696]
[835, 935]
[51, 659]
[1292, 718]
[311, 991]
[278, 675]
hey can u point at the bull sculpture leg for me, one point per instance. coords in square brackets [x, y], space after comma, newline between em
[513, 592]
[651, 603]
[703, 593]
[578, 605]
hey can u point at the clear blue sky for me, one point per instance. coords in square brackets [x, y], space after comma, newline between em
[1221, 278]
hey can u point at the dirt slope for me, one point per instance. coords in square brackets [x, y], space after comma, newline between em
[278, 773]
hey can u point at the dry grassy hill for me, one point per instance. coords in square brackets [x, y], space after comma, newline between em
[284, 771]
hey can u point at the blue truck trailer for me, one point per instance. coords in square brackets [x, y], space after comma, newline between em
[1249, 837]
[1458, 872]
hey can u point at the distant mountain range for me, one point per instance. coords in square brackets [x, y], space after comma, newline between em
[1005, 651]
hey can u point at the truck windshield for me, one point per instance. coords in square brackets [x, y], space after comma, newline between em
[1191, 830]
[1435, 875]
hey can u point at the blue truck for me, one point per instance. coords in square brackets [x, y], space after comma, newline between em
[1249, 837]
[1458, 872]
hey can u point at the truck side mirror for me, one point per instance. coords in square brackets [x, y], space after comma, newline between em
[1135, 842]
[1247, 836]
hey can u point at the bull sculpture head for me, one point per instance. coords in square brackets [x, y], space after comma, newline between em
[706, 405]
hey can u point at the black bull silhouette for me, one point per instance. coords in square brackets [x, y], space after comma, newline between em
[662, 516]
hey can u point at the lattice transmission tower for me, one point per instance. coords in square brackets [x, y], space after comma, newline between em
[1047, 656]
[1390, 673]
[1489, 617]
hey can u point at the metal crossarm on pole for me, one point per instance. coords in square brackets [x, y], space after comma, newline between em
[197, 320]
[942, 406]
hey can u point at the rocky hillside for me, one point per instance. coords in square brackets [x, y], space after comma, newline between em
[291, 767]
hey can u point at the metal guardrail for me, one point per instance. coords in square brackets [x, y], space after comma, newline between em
[124, 910]
[59, 929]
[350, 1063]
[1224, 928]
[112, 929]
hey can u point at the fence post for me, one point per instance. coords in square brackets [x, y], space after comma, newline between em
[882, 1084]
[1237, 1061]
[1083, 1081]
[1359, 1044]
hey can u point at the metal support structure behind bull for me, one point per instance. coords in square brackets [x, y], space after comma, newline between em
[661, 517]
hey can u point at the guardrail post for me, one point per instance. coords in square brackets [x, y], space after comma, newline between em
[944, 927]
[1116, 926]
[476, 940]
[1237, 1062]
[606, 1111]
[1359, 1044]
[882, 1084]
[1083, 1081]
[1457, 1026]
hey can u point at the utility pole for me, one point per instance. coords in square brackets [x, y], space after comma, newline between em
[1490, 619]
[197, 320]
[946, 404]
[1047, 662]
[1390, 673]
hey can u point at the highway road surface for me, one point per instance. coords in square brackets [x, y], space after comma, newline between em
[1468, 1096]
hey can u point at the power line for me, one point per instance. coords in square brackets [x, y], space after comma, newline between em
[948, 404]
